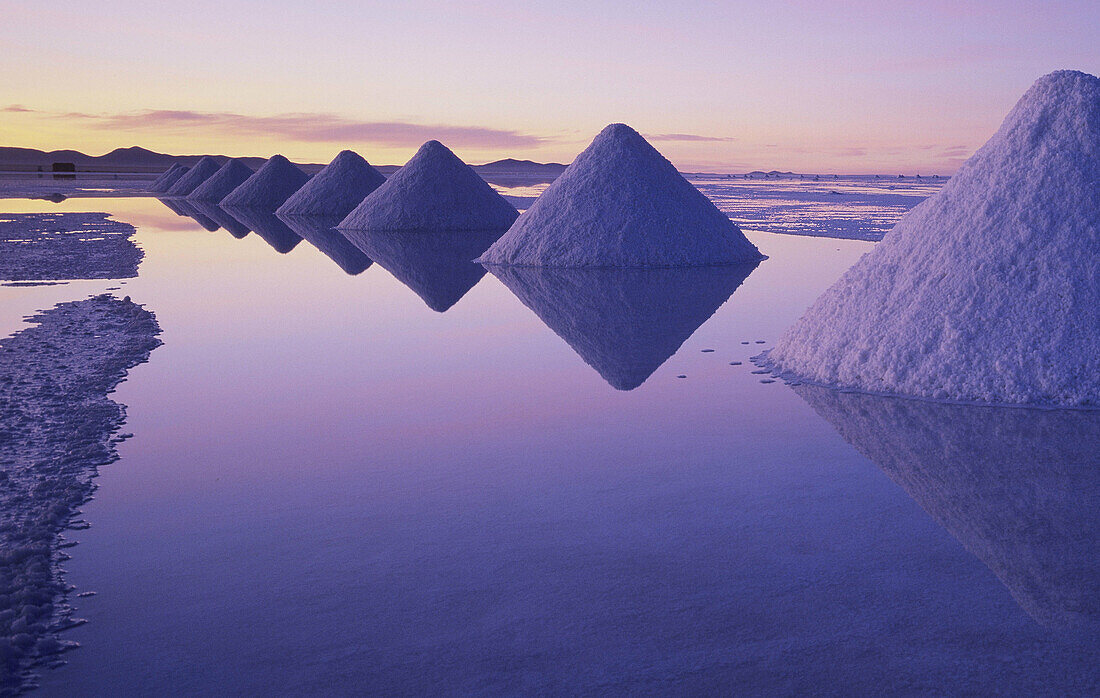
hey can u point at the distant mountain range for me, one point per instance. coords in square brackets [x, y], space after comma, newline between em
[136, 159]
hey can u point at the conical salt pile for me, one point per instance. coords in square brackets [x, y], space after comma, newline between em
[169, 177]
[269, 187]
[621, 204]
[199, 173]
[989, 291]
[433, 191]
[231, 175]
[336, 190]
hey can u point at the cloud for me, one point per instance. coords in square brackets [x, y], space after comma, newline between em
[309, 128]
[688, 138]
[16, 108]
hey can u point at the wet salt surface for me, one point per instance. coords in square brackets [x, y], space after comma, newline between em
[50, 246]
[334, 488]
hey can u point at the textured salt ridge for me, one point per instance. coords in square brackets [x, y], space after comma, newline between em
[321, 233]
[436, 265]
[335, 190]
[56, 421]
[221, 218]
[622, 204]
[433, 191]
[231, 175]
[267, 226]
[170, 176]
[1017, 487]
[51, 246]
[199, 173]
[268, 187]
[989, 291]
[625, 323]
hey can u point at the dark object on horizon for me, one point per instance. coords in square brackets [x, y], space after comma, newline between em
[63, 167]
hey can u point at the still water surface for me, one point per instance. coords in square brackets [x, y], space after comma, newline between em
[335, 488]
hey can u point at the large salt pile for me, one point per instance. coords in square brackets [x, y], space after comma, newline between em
[621, 204]
[269, 187]
[169, 177]
[335, 190]
[625, 323]
[989, 291]
[231, 175]
[199, 173]
[433, 191]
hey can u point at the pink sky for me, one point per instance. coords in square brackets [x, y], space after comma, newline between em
[721, 86]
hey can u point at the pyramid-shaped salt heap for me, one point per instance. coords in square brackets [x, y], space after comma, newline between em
[335, 190]
[168, 178]
[433, 191]
[269, 187]
[988, 291]
[622, 204]
[625, 323]
[231, 175]
[199, 173]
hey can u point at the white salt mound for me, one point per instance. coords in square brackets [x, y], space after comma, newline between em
[335, 190]
[231, 175]
[269, 187]
[988, 291]
[433, 191]
[168, 178]
[199, 173]
[621, 204]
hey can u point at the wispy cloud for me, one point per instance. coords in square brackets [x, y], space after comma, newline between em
[306, 128]
[17, 108]
[688, 138]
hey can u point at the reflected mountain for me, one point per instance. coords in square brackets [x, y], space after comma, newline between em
[268, 226]
[188, 210]
[436, 265]
[222, 217]
[321, 233]
[1019, 488]
[624, 323]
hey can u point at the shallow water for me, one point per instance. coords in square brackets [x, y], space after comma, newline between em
[334, 488]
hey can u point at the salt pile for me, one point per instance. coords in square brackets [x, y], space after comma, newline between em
[335, 190]
[321, 232]
[625, 323]
[269, 187]
[202, 170]
[989, 291]
[433, 191]
[231, 175]
[169, 177]
[621, 204]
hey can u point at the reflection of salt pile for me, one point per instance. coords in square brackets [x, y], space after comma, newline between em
[989, 290]
[433, 191]
[199, 173]
[335, 190]
[434, 264]
[231, 175]
[1017, 487]
[621, 204]
[624, 323]
[321, 233]
[265, 224]
[269, 187]
[188, 209]
[169, 177]
[221, 217]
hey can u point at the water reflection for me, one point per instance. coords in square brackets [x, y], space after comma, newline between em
[223, 218]
[436, 265]
[1019, 488]
[624, 323]
[268, 226]
[321, 233]
[188, 210]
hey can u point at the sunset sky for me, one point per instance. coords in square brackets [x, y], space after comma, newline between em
[721, 86]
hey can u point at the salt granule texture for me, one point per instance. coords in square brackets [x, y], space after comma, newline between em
[336, 190]
[168, 178]
[433, 191]
[269, 187]
[621, 204]
[989, 291]
[199, 173]
[231, 175]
